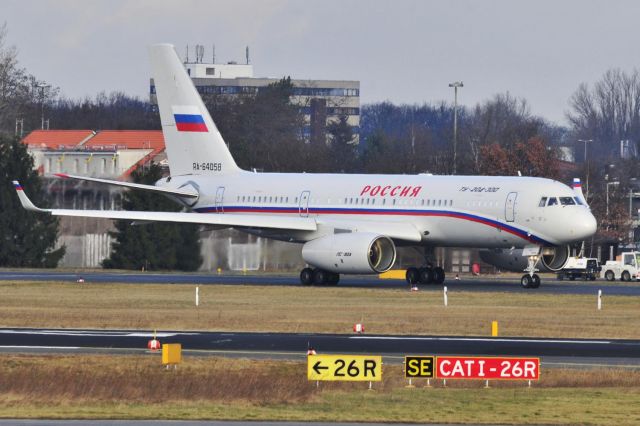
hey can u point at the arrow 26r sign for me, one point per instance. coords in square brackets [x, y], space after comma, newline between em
[353, 368]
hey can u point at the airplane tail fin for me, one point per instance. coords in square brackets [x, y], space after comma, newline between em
[193, 143]
[577, 188]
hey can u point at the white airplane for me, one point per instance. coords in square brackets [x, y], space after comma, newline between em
[348, 224]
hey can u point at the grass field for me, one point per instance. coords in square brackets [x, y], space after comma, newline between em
[109, 387]
[314, 309]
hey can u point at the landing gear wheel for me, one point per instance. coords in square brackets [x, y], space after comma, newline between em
[320, 277]
[609, 276]
[526, 281]
[306, 276]
[536, 281]
[438, 275]
[412, 275]
[334, 278]
[426, 275]
[626, 276]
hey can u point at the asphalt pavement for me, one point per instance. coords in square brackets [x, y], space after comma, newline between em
[583, 352]
[510, 283]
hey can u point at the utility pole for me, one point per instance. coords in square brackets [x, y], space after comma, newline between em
[455, 86]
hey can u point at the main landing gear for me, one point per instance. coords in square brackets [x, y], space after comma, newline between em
[317, 276]
[425, 275]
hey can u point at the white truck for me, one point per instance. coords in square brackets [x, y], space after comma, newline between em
[580, 267]
[626, 267]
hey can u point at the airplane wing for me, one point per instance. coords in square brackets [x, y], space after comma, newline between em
[395, 230]
[230, 220]
[168, 191]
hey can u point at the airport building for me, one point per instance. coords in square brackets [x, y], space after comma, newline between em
[319, 101]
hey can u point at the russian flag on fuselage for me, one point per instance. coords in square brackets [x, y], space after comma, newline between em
[189, 119]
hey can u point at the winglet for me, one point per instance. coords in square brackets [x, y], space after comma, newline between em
[24, 200]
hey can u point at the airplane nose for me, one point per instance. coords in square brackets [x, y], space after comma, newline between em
[585, 225]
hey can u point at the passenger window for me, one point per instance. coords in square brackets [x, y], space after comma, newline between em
[384, 201]
[553, 201]
[543, 202]
[373, 201]
[567, 201]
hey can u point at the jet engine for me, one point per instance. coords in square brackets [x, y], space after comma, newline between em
[553, 259]
[351, 253]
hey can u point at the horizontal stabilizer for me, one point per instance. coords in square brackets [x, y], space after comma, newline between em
[167, 191]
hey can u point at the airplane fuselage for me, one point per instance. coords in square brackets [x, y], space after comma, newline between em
[462, 211]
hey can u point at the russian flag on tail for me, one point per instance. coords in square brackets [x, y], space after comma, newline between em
[189, 119]
[577, 183]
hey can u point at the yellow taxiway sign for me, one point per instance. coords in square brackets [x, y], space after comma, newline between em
[352, 368]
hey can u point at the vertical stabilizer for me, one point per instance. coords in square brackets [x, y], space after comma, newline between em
[577, 188]
[194, 144]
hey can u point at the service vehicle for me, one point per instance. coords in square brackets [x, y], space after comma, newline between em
[625, 268]
[580, 267]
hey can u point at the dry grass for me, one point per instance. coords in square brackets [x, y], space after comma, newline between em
[217, 388]
[302, 309]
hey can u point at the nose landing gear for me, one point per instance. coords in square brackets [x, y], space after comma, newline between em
[531, 279]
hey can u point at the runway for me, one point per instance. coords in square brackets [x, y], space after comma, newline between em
[477, 284]
[583, 352]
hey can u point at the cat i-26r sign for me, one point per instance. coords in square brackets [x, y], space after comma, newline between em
[471, 367]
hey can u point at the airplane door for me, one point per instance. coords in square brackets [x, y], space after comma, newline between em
[510, 207]
[303, 207]
[220, 199]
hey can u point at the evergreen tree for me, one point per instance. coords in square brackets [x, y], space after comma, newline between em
[27, 239]
[157, 245]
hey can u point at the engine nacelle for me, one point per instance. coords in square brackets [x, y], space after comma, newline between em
[351, 253]
[553, 259]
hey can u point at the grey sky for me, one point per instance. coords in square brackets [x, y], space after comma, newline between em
[402, 51]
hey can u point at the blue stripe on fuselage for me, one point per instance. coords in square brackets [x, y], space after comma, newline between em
[384, 212]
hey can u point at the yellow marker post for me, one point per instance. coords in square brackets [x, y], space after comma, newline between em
[350, 368]
[494, 329]
[171, 354]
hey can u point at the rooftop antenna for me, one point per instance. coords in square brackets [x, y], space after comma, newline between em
[186, 56]
[200, 53]
[247, 54]
[213, 54]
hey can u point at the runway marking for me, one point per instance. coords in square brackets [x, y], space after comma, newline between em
[587, 364]
[40, 347]
[95, 333]
[476, 339]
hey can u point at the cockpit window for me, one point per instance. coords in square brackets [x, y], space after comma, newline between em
[578, 201]
[553, 201]
[543, 202]
[567, 201]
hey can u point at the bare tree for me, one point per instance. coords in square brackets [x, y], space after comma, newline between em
[607, 113]
[504, 121]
